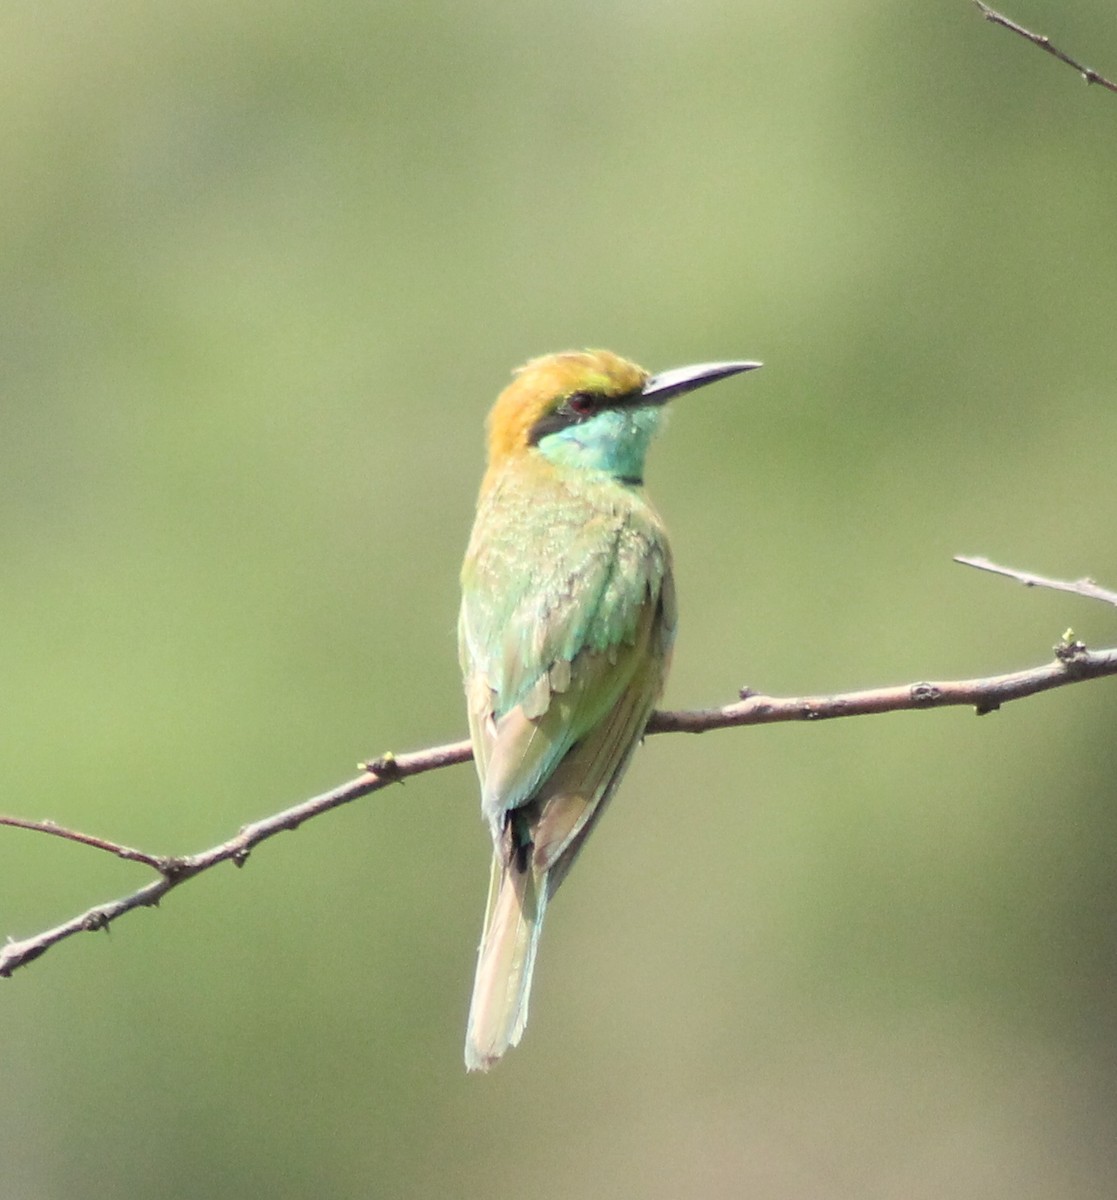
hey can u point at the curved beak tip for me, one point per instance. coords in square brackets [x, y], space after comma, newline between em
[668, 384]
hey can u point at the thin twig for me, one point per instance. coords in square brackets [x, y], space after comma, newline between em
[173, 871]
[155, 861]
[1080, 587]
[1073, 663]
[1044, 43]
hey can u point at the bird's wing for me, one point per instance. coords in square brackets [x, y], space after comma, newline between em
[563, 664]
[572, 797]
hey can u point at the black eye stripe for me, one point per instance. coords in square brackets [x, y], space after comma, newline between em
[576, 408]
[551, 423]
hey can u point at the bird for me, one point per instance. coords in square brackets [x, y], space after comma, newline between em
[565, 633]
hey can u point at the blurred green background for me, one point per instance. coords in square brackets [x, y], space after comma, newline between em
[264, 267]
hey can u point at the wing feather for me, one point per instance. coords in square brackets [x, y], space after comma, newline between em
[564, 649]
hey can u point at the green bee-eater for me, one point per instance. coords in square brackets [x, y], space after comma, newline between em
[565, 634]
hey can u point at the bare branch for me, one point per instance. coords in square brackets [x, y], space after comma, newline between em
[1044, 43]
[155, 861]
[1073, 664]
[175, 870]
[1080, 587]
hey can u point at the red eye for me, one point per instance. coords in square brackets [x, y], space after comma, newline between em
[581, 404]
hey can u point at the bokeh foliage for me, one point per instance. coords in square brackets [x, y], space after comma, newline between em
[264, 267]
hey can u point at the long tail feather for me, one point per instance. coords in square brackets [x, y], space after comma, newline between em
[505, 961]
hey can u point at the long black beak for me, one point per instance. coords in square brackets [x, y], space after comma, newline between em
[669, 384]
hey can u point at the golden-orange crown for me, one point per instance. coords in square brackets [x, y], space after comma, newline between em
[541, 385]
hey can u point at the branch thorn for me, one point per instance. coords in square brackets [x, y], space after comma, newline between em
[386, 766]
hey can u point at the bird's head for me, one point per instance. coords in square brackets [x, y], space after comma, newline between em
[590, 409]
